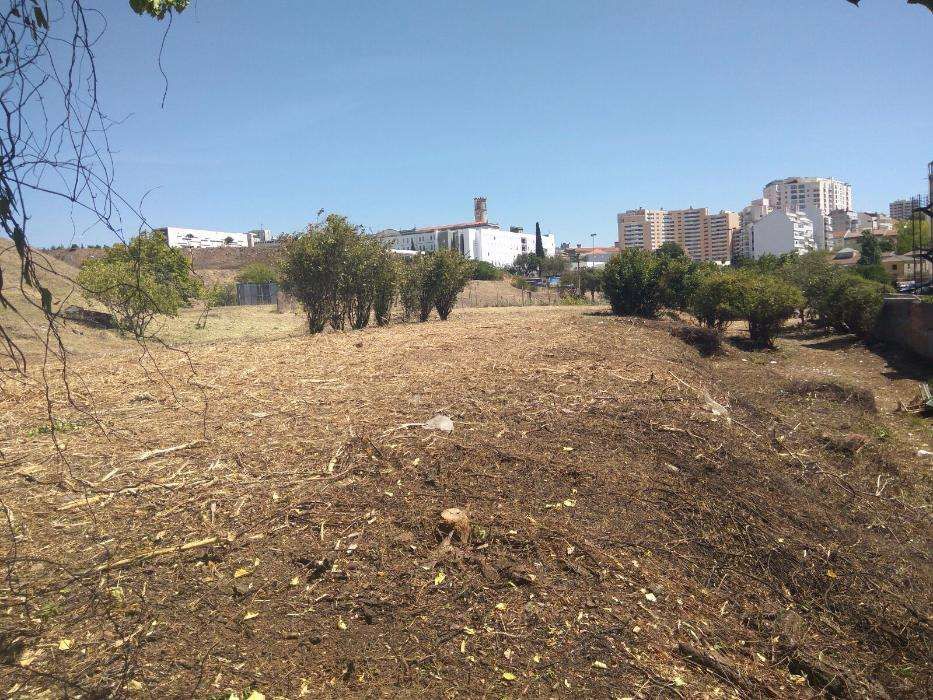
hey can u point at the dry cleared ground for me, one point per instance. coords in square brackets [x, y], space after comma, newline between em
[261, 514]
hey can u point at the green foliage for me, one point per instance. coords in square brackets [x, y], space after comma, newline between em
[338, 274]
[526, 264]
[671, 249]
[219, 294]
[632, 283]
[714, 299]
[812, 273]
[483, 270]
[913, 235]
[410, 289]
[766, 302]
[679, 278]
[257, 273]
[852, 304]
[870, 248]
[875, 273]
[539, 245]
[551, 266]
[449, 274]
[158, 8]
[588, 280]
[138, 281]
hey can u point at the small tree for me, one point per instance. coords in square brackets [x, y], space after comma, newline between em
[526, 263]
[766, 302]
[482, 270]
[539, 244]
[450, 273]
[679, 279]
[671, 249]
[138, 281]
[852, 304]
[257, 273]
[387, 284]
[713, 302]
[632, 283]
[410, 289]
[870, 248]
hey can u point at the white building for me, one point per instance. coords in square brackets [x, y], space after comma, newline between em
[797, 193]
[178, 237]
[475, 240]
[744, 240]
[782, 232]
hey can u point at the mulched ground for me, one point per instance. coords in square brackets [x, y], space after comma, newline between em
[625, 540]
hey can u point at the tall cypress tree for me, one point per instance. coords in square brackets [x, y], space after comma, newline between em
[539, 246]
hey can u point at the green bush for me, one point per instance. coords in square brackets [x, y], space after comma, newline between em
[766, 302]
[450, 273]
[632, 283]
[257, 273]
[875, 273]
[483, 270]
[679, 279]
[219, 294]
[140, 280]
[714, 301]
[337, 273]
[852, 304]
[410, 289]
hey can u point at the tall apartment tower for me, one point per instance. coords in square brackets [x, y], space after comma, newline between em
[702, 235]
[479, 210]
[798, 193]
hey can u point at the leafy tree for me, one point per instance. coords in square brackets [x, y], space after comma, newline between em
[138, 281]
[875, 273]
[338, 273]
[219, 294]
[526, 263]
[410, 289]
[913, 235]
[257, 273]
[871, 250]
[632, 283]
[588, 280]
[387, 275]
[766, 302]
[550, 266]
[852, 304]
[539, 244]
[671, 249]
[450, 273]
[713, 302]
[482, 270]
[158, 8]
[679, 279]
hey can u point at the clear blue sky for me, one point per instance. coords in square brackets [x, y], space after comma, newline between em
[397, 113]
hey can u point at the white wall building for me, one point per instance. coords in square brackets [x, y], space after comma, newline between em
[797, 193]
[475, 240]
[782, 232]
[178, 237]
[744, 240]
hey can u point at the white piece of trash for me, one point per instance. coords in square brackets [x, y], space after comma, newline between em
[440, 422]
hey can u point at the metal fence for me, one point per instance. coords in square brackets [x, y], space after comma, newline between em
[249, 293]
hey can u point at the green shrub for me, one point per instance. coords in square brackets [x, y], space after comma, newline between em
[140, 280]
[450, 273]
[632, 283]
[337, 273]
[410, 289]
[714, 301]
[766, 302]
[679, 279]
[852, 304]
[257, 273]
[875, 273]
[483, 270]
[219, 294]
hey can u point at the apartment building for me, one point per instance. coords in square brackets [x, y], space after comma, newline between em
[902, 208]
[743, 242]
[702, 235]
[782, 232]
[797, 193]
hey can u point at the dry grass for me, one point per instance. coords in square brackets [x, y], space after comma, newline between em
[617, 527]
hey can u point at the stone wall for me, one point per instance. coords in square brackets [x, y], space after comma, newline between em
[907, 322]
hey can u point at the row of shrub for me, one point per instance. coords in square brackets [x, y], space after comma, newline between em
[765, 293]
[344, 278]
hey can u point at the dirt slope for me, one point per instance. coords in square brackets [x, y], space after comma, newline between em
[625, 541]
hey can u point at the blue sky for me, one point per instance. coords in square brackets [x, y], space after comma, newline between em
[398, 113]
